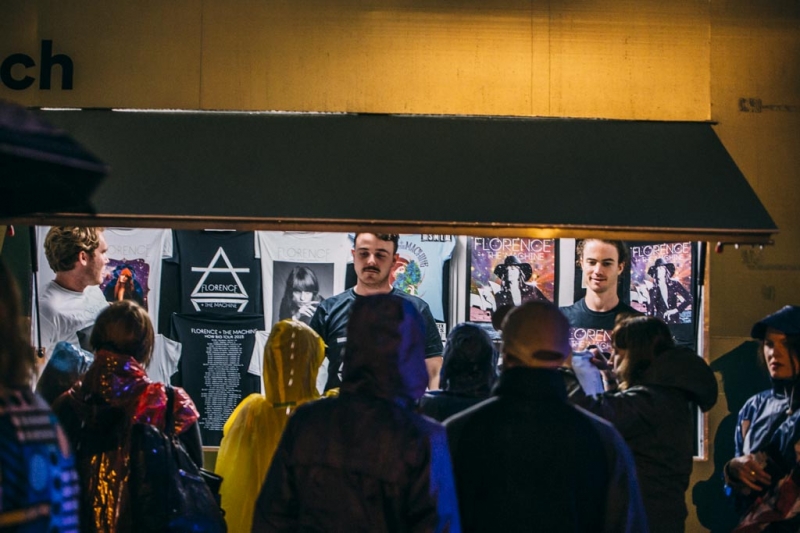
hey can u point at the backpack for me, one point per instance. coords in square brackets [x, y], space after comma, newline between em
[168, 492]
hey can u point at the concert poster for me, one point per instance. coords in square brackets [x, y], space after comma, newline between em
[509, 271]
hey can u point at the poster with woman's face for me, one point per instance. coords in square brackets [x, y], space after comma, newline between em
[298, 289]
[508, 272]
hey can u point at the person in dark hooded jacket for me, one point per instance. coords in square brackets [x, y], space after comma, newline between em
[468, 373]
[767, 435]
[652, 407]
[527, 460]
[365, 461]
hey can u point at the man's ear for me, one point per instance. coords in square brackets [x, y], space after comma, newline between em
[396, 257]
[621, 267]
[83, 258]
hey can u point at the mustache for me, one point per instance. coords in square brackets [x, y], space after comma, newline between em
[370, 269]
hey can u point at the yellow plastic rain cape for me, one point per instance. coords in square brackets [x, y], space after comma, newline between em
[292, 357]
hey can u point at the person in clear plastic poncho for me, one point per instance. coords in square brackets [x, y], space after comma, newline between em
[292, 358]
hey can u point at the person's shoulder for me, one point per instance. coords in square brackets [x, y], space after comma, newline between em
[623, 308]
[603, 428]
[755, 401]
[345, 298]
[480, 410]
[418, 302]
[574, 309]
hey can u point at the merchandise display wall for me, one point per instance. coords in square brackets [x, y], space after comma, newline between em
[214, 295]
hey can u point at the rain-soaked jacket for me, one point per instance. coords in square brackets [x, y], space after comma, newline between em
[97, 414]
[292, 357]
[365, 461]
[656, 419]
[769, 422]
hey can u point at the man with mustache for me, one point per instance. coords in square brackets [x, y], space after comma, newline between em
[374, 254]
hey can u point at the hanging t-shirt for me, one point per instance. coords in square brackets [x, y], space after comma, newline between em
[165, 359]
[215, 354]
[219, 272]
[299, 270]
[418, 270]
[133, 271]
[589, 327]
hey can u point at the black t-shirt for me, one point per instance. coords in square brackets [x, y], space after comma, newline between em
[220, 272]
[589, 327]
[330, 322]
[215, 356]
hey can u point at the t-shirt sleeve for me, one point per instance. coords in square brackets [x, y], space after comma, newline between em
[433, 342]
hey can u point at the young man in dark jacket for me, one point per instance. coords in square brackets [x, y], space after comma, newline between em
[525, 459]
[365, 461]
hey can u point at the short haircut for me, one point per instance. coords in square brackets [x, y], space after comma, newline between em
[622, 249]
[63, 244]
[535, 331]
[394, 238]
[124, 328]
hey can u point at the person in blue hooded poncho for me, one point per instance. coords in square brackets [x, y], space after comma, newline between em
[764, 475]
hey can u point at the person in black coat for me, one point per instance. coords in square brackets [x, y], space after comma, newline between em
[365, 460]
[660, 387]
[468, 373]
[525, 459]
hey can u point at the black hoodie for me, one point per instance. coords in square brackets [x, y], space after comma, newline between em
[656, 419]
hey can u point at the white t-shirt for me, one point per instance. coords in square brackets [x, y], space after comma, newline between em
[324, 254]
[142, 249]
[165, 359]
[65, 312]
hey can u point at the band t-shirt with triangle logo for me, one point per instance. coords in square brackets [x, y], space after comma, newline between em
[219, 272]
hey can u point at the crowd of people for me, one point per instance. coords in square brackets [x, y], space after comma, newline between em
[408, 437]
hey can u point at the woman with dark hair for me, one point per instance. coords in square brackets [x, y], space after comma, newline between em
[38, 482]
[468, 373]
[651, 395]
[98, 414]
[765, 467]
[301, 295]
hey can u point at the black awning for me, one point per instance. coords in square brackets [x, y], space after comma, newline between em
[633, 180]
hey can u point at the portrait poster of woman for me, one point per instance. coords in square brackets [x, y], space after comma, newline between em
[509, 271]
[298, 289]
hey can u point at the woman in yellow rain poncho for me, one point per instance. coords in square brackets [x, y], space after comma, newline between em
[292, 358]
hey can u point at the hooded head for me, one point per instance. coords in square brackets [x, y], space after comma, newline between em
[385, 351]
[469, 361]
[292, 358]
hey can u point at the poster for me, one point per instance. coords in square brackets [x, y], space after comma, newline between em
[299, 288]
[509, 271]
[662, 281]
[215, 355]
[299, 270]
